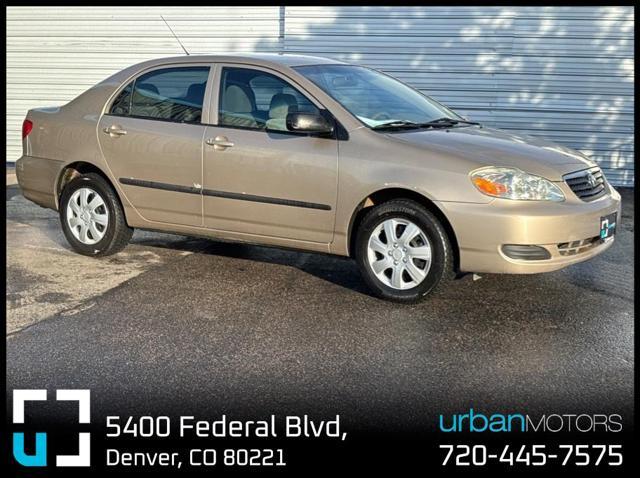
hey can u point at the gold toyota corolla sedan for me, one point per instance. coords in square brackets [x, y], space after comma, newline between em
[313, 154]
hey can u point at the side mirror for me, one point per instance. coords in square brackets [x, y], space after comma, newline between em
[309, 123]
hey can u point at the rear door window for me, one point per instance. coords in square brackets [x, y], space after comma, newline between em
[171, 94]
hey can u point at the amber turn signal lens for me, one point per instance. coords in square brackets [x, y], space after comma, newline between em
[489, 187]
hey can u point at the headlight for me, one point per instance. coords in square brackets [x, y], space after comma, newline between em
[509, 183]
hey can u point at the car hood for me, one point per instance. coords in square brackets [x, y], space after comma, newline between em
[493, 147]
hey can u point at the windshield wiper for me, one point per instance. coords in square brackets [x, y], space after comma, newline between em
[446, 121]
[443, 122]
[397, 124]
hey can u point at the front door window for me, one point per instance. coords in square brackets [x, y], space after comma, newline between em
[254, 99]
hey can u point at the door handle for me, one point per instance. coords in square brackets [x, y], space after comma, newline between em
[114, 130]
[219, 143]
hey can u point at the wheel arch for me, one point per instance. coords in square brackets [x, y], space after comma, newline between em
[384, 195]
[75, 169]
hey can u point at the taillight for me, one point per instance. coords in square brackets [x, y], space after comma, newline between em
[27, 126]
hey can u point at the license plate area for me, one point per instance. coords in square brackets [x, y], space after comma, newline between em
[608, 225]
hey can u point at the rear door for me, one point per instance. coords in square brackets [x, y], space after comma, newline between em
[152, 139]
[260, 178]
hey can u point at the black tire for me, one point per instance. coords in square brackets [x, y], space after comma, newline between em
[441, 269]
[117, 234]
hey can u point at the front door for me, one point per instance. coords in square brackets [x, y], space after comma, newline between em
[152, 140]
[258, 177]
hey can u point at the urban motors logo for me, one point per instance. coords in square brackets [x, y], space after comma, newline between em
[39, 457]
[475, 422]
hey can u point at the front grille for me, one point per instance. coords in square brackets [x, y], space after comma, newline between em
[588, 185]
[578, 247]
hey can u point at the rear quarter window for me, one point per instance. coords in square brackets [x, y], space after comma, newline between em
[122, 103]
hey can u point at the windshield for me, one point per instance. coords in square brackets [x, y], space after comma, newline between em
[373, 97]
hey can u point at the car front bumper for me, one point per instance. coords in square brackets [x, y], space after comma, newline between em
[482, 229]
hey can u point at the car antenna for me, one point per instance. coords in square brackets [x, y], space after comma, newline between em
[174, 34]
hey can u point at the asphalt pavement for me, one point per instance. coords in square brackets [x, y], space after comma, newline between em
[176, 324]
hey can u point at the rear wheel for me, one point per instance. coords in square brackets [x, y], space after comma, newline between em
[92, 218]
[403, 251]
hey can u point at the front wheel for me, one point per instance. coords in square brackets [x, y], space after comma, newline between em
[92, 218]
[403, 251]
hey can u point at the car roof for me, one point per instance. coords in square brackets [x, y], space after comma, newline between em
[265, 59]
